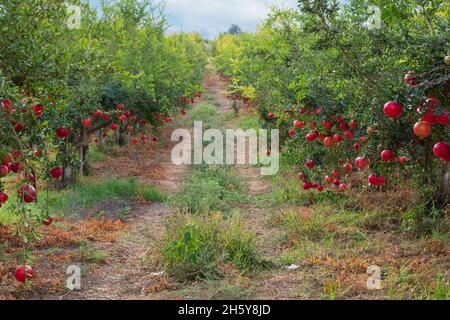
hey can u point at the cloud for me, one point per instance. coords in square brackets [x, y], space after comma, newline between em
[210, 17]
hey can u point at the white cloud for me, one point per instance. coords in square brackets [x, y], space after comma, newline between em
[210, 17]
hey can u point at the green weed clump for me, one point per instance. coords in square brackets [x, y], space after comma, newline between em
[196, 246]
[209, 188]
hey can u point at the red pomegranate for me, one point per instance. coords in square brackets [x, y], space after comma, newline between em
[23, 273]
[442, 150]
[56, 172]
[387, 155]
[393, 109]
[27, 193]
[62, 132]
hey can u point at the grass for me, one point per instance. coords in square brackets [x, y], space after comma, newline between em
[96, 154]
[89, 193]
[197, 247]
[205, 112]
[209, 188]
[87, 252]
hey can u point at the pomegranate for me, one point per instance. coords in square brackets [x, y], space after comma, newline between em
[348, 135]
[3, 197]
[56, 172]
[348, 168]
[62, 132]
[4, 170]
[311, 137]
[337, 138]
[87, 123]
[15, 167]
[310, 163]
[291, 132]
[23, 273]
[38, 110]
[47, 221]
[362, 162]
[336, 174]
[387, 155]
[375, 180]
[393, 109]
[442, 150]
[422, 129]
[328, 141]
[327, 125]
[271, 116]
[298, 124]
[328, 179]
[27, 193]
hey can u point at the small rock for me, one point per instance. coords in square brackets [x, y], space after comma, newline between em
[293, 267]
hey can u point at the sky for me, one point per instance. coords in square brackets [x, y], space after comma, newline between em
[210, 17]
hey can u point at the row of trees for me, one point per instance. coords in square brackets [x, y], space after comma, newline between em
[69, 74]
[347, 85]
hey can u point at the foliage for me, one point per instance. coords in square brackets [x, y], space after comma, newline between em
[324, 66]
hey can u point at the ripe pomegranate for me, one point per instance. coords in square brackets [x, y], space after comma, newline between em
[348, 168]
[442, 150]
[120, 106]
[3, 197]
[362, 162]
[155, 139]
[271, 116]
[387, 155]
[4, 170]
[306, 185]
[393, 109]
[336, 174]
[122, 118]
[353, 124]
[47, 221]
[328, 179]
[19, 127]
[444, 118]
[15, 167]
[328, 125]
[375, 180]
[343, 187]
[23, 273]
[337, 138]
[87, 123]
[348, 135]
[56, 172]
[291, 132]
[130, 129]
[310, 164]
[357, 146]
[298, 124]
[320, 188]
[430, 117]
[62, 132]
[113, 127]
[311, 137]
[422, 129]
[27, 193]
[328, 141]
[134, 140]
[38, 110]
